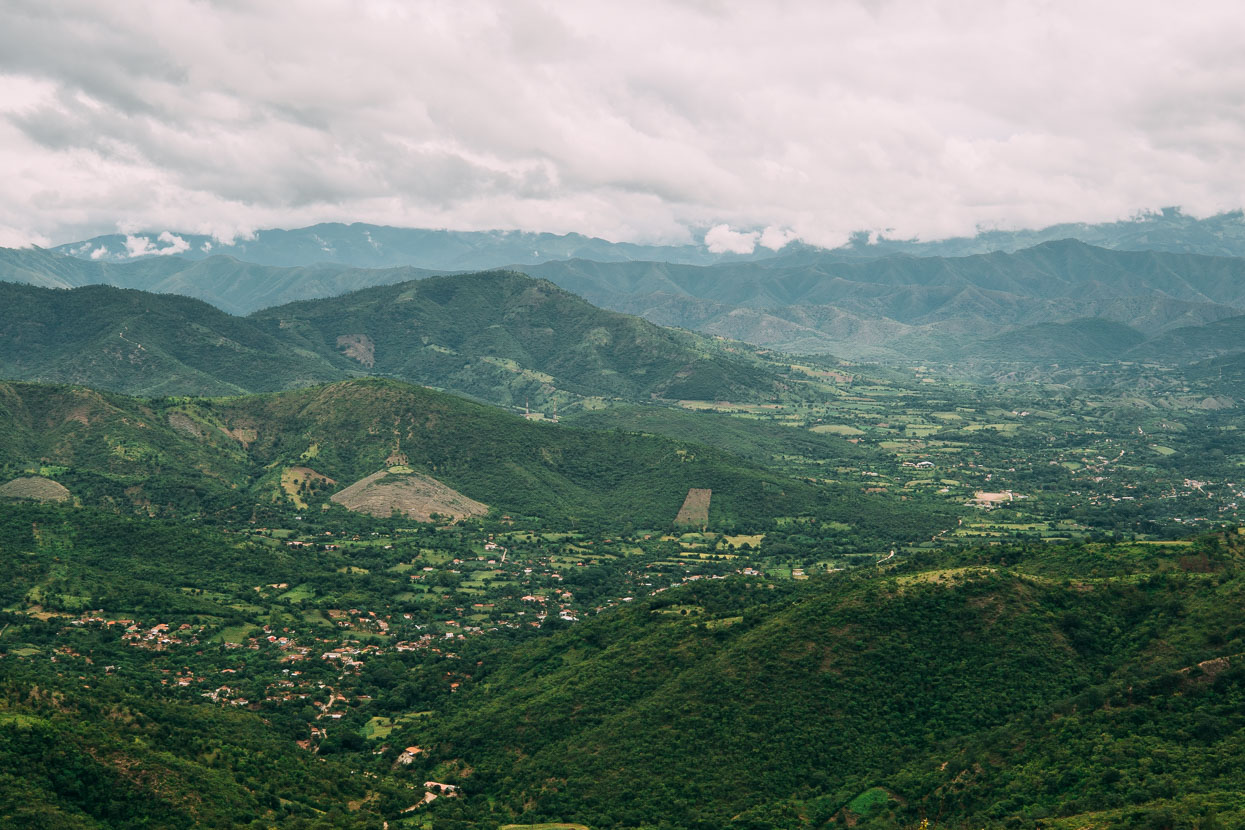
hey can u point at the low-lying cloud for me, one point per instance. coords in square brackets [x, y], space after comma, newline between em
[809, 120]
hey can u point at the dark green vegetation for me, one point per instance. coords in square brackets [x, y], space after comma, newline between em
[499, 336]
[764, 442]
[508, 338]
[1101, 684]
[147, 344]
[1089, 686]
[224, 459]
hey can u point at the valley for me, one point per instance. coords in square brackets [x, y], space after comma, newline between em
[467, 551]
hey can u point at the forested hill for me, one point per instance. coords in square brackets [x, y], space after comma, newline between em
[233, 458]
[146, 344]
[1083, 687]
[500, 336]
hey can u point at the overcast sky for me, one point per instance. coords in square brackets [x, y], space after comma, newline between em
[631, 121]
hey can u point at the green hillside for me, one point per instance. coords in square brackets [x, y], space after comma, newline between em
[1006, 688]
[762, 442]
[1078, 341]
[1086, 686]
[144, 344]
[508, 338]
[501, 337]
[226, 457]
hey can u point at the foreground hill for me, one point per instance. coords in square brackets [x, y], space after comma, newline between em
[499, 336]
[1005, 688]
[1089, 686]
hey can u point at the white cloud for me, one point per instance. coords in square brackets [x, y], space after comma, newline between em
[720, 239]
[136, 246]
[919, 119]
[777, 238]
[173, 244]
[99, 253]
[11, 237]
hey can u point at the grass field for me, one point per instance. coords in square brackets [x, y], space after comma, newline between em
[695, 509]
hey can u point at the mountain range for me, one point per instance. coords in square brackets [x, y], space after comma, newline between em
[377, 246]
[931, 309]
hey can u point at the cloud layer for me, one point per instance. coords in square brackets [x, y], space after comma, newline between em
[640, 122]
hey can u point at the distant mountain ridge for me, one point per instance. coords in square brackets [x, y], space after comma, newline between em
[914, 307]
[378, 246]
[801, 300]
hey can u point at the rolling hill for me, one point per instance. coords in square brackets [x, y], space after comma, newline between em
[501, 337]
[142, 343]
[508, 338]
[230, 457]
[1004, 686]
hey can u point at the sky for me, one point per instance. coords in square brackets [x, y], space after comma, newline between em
[748, 123]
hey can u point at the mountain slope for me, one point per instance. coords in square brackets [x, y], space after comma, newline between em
[228, 458]
[227, 283]
[502, 337]
[148, 344]
[816, 301]
[506, 337]
[942, 690]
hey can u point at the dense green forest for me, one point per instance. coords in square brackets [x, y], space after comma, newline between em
[1092, 685]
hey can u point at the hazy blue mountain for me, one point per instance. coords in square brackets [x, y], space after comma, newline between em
[907, 306]
[1166, 230]
[227, 283]
[376, 246]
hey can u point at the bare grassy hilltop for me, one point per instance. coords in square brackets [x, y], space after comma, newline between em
[415, 496]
